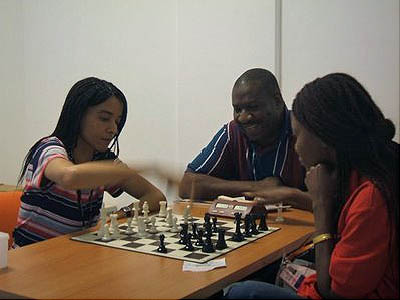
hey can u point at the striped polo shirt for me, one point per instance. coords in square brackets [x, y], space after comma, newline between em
[47, 209]
[231, 156]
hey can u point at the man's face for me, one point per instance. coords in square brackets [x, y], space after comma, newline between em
[257, 111]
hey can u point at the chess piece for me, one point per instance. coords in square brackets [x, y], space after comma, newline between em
[263, 224]
[206, 218]
[194, 230]
[175, 228]
[163, 211]
[189, 211]
[237, 235]
[188, 245]
[279, 217]
[199, 241]
[136, 210]
[221, 244]
[106, 237]
[247, 226]
[214, 224]
[161, 248]
[183, 234]
[103, 221]
[146, 211]
[129, 230]
[169, 217]
[114, 226]
[142, 227]
[253, 225]
[153, 228]
[208, 246]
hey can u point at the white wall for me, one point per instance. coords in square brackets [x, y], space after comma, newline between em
[176, 61]
[359, 37]
[11, 91]
[217, 42]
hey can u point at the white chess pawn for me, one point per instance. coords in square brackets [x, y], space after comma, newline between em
[163, 211]
[153, 228]
[175, 225]
[142, 227]
[186, 214]
[106, 236]
[189, 212]
[146, 212]
[169, 217]
[103, 220]
[136, 211]
[114, 222]
[114, 226]
[129, 230]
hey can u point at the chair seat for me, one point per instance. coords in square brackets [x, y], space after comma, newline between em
[9, 206]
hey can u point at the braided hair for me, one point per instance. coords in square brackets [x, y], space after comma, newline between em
[339, 110]
[85, 93]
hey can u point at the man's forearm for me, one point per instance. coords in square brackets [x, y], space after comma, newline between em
[204, 187]
[300, 199]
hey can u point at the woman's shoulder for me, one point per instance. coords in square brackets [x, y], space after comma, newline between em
[51, 140]
[49, 145]
[364, 194]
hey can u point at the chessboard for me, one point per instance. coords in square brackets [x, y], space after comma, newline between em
[149, 244]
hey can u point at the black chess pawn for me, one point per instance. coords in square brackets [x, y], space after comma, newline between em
[237, 235]
[247, 226]
[208, 229]
[183, 234]
[263, 224]
[185, 228]
[208, 246]
[194, 230]
[221, 244]
[206, 218]
[189, 246]
[161, 248]
[254, 225]
[214, 224]
[199, 241]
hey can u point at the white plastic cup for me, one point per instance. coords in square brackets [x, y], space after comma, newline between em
[3, 249]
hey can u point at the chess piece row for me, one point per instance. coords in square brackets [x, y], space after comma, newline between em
[250, 226]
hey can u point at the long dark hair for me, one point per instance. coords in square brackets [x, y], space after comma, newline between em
[85, 93]
[339, 110]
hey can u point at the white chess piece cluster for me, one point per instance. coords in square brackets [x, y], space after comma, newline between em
[111, 231]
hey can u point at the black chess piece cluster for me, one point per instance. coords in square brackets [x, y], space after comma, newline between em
[207, 246]
[250, 226]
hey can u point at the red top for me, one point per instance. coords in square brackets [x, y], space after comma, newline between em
[361, 263]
